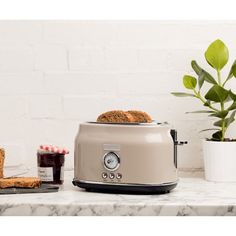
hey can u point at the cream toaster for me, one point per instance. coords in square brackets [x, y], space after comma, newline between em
[126, 157]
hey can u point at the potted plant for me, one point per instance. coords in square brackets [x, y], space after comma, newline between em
[219, 102]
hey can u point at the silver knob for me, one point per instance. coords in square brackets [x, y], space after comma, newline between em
[119, 176]
[104, 175]
[112, 176]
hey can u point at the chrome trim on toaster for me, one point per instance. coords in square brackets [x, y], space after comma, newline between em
[127, 184]
[153, 123]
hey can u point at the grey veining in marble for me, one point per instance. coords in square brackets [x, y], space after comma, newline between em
[193, 196]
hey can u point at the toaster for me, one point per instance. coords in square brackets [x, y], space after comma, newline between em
[126, 157]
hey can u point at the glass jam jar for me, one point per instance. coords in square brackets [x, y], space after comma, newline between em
[51, 166]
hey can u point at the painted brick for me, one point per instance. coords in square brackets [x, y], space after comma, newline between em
[180, 60]
[45, 106]
[13, 129]
[21, 83]
[20, 31]
[83, 33]
[82, 108]
[16, 58]
[86, 59]
[149, 83]
[12, 151]
[13, 107]
[74, 83]
[121, 59]
[153, 59]
[50, 57]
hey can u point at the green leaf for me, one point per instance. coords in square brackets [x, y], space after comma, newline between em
[232, 107]
[207, 103]
[208, 78]
[232, 95]
[202, 75]
[189, 82]
[232, 71]
[217, 135]
[208, 130]
[196, 67]
[183, 94]
[201, 80]
[230, 120]
[227, 121]
[220, 114]
[198, 71]
[201, 111]
[217, 94]
[217, 54]
[218, 123]
[228, 99]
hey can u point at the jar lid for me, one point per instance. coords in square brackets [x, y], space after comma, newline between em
[53, 149]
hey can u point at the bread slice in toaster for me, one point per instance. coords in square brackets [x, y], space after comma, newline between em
[115, 116]
[118, 116]
[140, 116]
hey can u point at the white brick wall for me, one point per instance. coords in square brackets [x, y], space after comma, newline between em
[16, 58]
[86, 59]
[45, 106]
[50, 57]
[55, 74]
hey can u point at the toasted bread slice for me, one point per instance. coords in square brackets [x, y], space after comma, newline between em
[116, 116]
[140, 116]
[20, 182]
[2, 157]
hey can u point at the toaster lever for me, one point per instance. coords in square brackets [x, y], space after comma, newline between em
[173, 133]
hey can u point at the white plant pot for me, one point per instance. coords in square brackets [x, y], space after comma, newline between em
[219, 161]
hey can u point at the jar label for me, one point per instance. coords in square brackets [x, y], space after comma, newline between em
[62, 173]
[45, 173]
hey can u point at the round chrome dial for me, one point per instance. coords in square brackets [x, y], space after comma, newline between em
[111, 161]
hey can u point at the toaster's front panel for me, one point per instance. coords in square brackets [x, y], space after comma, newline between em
[99, 163]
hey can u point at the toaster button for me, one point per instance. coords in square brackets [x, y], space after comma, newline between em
[119, 176]
[104, 175]
[112, 176]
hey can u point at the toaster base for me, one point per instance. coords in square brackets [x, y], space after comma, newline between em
[125, 188]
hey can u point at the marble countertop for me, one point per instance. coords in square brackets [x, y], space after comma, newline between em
[193, 196]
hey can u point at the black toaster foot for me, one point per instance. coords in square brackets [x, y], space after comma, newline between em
[125, 189]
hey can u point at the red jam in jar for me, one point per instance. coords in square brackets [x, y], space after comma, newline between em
[51, 166]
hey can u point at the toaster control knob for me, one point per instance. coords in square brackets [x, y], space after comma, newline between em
[111, 161]
[104, 175]
[112, 176]
[119, 176]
